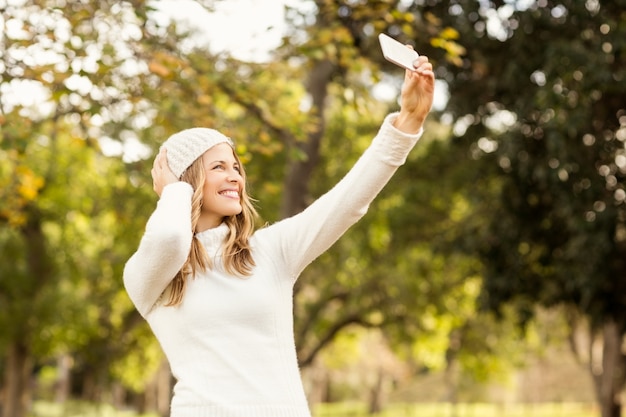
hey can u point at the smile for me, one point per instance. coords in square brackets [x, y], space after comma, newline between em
[230, 193]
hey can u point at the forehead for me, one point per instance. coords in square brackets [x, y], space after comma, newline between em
[220, 152]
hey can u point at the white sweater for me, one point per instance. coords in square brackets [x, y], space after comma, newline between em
[230, 344]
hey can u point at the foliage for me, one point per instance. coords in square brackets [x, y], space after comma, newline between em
[67, 216]
[552, 123]
[540, 97]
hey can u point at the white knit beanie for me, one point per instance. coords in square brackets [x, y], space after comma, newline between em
[184, 147]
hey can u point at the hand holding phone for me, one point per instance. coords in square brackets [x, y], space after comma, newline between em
[395, 52]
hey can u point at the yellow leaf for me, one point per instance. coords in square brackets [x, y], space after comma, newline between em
[449, 33]
[204, 99]
[158, 69]
[29, 183]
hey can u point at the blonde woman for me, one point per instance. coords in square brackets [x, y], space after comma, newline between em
[218, 294]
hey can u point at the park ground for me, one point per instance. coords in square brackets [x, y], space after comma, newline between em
[355, 409]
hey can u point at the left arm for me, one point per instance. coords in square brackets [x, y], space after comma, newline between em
[305, 236]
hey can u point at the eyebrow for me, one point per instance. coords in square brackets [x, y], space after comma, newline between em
[220, 161]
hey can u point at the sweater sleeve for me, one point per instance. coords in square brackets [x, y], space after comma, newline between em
[298, 240]
[163, 249]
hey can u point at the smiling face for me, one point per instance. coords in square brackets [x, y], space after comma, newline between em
[223, 186]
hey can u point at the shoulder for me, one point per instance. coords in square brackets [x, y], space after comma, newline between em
[269, 239]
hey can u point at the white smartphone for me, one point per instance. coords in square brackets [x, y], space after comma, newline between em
[395, 52]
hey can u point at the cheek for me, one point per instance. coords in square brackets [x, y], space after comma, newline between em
[207, 193]
[209, 186]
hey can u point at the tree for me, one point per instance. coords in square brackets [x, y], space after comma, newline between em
[339, 45]
[540, 95]
[61, 257]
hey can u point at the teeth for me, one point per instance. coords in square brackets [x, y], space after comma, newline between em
[230, 193]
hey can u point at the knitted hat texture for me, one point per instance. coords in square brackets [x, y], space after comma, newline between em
[184, 147]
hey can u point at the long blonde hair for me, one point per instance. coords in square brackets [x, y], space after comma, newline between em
[236, 249]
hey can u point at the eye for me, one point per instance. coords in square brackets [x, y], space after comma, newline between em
[237, 168]
[218, 166]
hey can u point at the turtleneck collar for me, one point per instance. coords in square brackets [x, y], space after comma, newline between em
[212, 239]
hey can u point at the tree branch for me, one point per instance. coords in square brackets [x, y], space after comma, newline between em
[307, 359]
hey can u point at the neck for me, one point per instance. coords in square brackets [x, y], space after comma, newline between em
[206, 224]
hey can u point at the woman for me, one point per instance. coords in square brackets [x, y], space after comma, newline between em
[217, 294]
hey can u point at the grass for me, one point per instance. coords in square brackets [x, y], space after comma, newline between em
[460, 410]
[347, 409]
[81, 409]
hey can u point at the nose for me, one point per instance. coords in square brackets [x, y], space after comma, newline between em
[234, 175]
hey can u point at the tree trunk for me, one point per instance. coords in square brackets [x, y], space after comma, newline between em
[158, 393]
[376, 393]
[64, 382]
[19, 360]
[17, 380]
[451, 376]
[88, 390]
[608, 373]
[296, 191]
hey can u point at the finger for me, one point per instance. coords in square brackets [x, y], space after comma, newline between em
[423, 67]
[425, 72]
[157, 160]
[163, 159]
[429, 74]
[421, 61]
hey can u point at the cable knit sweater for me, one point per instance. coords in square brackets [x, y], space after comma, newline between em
[230, 344]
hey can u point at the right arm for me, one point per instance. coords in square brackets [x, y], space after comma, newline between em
[166, 242]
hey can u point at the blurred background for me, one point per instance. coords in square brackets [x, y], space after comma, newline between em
[487, 279]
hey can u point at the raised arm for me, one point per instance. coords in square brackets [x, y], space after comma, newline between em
[303, 237]
[166, 242]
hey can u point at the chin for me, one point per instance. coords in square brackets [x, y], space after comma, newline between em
[235, 212]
